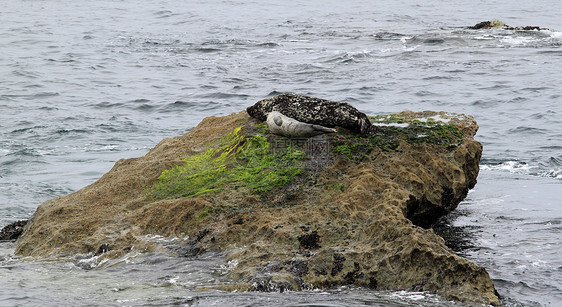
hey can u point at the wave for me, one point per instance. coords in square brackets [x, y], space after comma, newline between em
[348, 57]
[108, 105]
[527, 130]
[202, 102]
[400, 44]
[487, 38]
[175, 45]
[23, 152]
[391, 36]
[550, 170]
[27, 129]
[72, 131]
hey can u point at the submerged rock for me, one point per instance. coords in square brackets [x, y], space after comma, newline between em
[12, 231]
[335, 209]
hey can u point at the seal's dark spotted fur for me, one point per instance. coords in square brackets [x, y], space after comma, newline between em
[313, 110]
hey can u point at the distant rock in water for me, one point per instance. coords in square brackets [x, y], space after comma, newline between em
[499, 24]
[12, 231]
[337, 209]
[312, 110]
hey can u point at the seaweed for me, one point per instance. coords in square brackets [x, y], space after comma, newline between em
[393, 130]
[241, 161]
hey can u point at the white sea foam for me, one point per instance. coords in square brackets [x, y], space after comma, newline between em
[411, 48]
[173, 280]
[415, 296]
[518, 167]
[510, 166]
[87, 262]
[553, 34]
[231, 264]
[515, 41]
[545, 37]
[555, 173]
[405, 39]
[486, 37]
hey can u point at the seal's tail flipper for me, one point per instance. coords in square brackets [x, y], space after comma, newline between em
[323, 129]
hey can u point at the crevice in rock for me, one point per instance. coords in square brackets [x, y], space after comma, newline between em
[423, 213]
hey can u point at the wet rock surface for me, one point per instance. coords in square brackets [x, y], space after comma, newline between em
[361, 218]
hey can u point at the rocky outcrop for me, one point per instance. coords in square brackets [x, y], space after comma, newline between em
[499, 24]
[12, 231]
[335, 209]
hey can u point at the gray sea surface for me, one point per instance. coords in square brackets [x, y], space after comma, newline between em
[86, 83]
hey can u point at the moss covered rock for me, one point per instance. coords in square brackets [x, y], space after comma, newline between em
[294, 214]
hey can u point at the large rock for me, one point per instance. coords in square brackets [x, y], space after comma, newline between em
[326, 211]
[500, 25]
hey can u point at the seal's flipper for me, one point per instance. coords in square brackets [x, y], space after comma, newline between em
[324, 129]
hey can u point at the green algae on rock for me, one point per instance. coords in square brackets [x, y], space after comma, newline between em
[240, 161]
[336, 217]
[418, 130]
[393, 128]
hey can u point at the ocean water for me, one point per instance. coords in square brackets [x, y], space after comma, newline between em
[86, 83]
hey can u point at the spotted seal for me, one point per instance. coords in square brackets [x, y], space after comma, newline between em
[314, 111]
[286, 126]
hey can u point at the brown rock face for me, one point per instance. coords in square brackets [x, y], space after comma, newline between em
[357, 214]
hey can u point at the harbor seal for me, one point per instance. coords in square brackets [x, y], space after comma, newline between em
[286, 126]
[314, 111]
